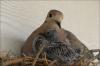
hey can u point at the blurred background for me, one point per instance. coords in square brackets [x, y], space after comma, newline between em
[20, 18]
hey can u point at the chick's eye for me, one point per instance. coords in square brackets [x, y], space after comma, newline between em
[48, 33]
[50, 15]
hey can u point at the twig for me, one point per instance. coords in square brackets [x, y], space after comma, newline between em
[52, 63]
[37, 56]
[15, 61]
[45, 57]
[95, 50]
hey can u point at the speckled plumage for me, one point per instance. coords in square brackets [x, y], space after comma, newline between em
[62, 53]
[56, 50]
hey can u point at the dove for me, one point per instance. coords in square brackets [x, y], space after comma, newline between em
[53, 22]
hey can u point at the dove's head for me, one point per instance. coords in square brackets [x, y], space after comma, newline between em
[55, 15]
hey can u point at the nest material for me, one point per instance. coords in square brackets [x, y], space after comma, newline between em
[28, 61]
[23, 61]
[11, 60]
[7, 59]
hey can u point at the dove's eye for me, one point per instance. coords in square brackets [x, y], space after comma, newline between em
[50, 15]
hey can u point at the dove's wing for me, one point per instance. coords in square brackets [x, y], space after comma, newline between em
[74, 41]
[78, 45]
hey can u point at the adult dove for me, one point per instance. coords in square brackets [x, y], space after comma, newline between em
[53, 21]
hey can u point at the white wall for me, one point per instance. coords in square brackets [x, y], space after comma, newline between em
[20, 18]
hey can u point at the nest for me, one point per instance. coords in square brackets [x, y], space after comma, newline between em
[10, 60]
[7, 59]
